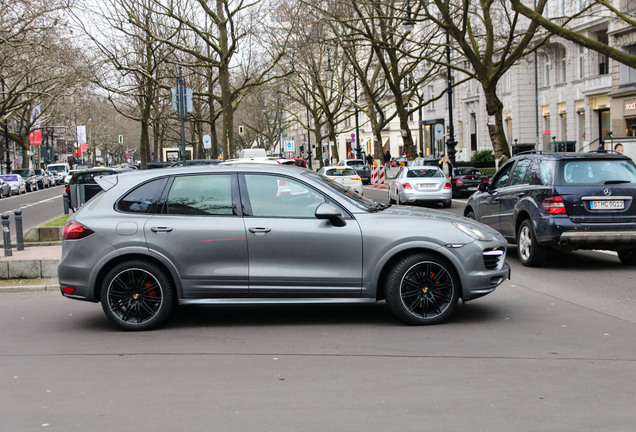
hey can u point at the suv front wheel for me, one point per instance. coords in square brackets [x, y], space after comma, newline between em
[530, 252]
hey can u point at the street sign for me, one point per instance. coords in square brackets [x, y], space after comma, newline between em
[289, 146]
[439, 131]
[206, 142]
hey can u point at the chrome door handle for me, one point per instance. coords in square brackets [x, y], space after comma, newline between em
[259, 230]
[160, 229]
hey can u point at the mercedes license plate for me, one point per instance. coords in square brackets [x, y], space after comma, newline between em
[607, 205]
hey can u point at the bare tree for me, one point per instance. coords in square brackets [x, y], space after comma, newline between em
[566, 26]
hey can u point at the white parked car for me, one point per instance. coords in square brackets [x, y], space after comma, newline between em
[346, 176]
[421, 183]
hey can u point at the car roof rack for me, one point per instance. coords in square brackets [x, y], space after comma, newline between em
[535, 151]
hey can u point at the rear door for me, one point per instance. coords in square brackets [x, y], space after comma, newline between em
[200, 231]
[489, 205]
[510, 195]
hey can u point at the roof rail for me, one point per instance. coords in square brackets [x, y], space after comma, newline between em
[535, 151]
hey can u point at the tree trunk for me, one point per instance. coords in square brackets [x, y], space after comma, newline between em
[494, 107]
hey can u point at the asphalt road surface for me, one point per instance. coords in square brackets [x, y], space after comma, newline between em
[553, 349]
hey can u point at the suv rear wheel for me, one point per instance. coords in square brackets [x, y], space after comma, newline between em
[530, 252]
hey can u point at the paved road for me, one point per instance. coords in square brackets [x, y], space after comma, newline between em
[37, 207]
[553, 349]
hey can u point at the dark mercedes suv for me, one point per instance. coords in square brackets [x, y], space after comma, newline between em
[542, 200]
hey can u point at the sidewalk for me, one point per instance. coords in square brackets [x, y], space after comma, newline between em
[31, 269]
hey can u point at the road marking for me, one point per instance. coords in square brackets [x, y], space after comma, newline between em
[36, 203]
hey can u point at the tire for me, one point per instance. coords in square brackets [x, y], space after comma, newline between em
[422, 289]
[471, 215]
[627, 257]
[391, 200]
[531, 253]
[448, 203]
[397, 199]
[137, 295]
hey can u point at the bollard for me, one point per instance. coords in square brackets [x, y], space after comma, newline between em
[6, 234]
[66, 202]
[19, 234]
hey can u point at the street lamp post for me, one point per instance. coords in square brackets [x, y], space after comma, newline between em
[450, 144]
[6, 136]
[308, 137]
[355, 95]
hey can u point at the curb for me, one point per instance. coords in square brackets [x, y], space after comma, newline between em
[28, 288]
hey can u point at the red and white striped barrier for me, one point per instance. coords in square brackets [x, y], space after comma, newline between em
[377, 176]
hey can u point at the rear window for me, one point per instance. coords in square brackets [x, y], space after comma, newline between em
[581, 172]
[9, 177]
[424, 173]
[341, 172]
[467, 171]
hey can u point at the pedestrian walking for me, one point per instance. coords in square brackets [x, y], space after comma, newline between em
[370, 159]
[387, 159]
[446, 166]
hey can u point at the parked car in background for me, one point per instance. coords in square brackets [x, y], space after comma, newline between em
[5, 188]
[542, 200]
[420, 184]
[16, 183]
[466, 180]
[233, 234]
[68, 177]
[61, 169]
[299, 161]
[43, 179]
[361, 168]
[428, 161]
[29, 177]
[399, 161]
[346, 176]
[83, 186]
[57, 177]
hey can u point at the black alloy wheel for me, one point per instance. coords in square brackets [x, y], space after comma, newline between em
[137, 295]
[422, 289]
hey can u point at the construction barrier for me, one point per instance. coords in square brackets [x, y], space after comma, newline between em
[377, 175]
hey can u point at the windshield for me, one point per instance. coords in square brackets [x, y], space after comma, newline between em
[22, 172]
[351, 196]
[612, 171]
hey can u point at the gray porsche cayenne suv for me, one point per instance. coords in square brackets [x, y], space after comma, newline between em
[265, 234]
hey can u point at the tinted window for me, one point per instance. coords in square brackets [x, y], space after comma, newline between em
[142, 199]
[201, 195]
[521, 173]
[501, 178]
[273, 196]
[542, 172]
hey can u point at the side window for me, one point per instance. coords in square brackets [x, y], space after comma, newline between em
[142, 199]
[521, 172]
[542, 173]
[274, 196]
[501, 178]
[209, 195]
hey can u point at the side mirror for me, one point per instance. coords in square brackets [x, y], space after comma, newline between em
[331, 213]
[483, 187]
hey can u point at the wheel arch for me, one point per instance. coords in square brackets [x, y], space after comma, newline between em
[108, 265]
[380, 289]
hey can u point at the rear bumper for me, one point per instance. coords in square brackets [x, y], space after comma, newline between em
[563, 233]
[598, 236]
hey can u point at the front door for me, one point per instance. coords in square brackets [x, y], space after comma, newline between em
[291, 252]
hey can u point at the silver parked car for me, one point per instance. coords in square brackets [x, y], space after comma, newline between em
[267, 234]
[16, 183]
[422, 183]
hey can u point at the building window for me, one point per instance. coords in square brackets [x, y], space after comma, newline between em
[628, 74]
[564, 127]
[560, 60]
[603, 60]
[580, 70]
[431, 97]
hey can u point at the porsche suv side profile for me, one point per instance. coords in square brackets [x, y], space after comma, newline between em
[266, 234]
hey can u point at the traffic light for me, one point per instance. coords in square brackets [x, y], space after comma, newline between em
[302, 148]
[241, 130]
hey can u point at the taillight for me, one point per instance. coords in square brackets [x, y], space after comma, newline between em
[67, 290]
[554, 205]
[356, 178]
[74, 231]
[457, 181]
[406, 186]
[447, 185]
[67, 190]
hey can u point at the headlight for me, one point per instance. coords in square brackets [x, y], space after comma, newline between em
[473, 232]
